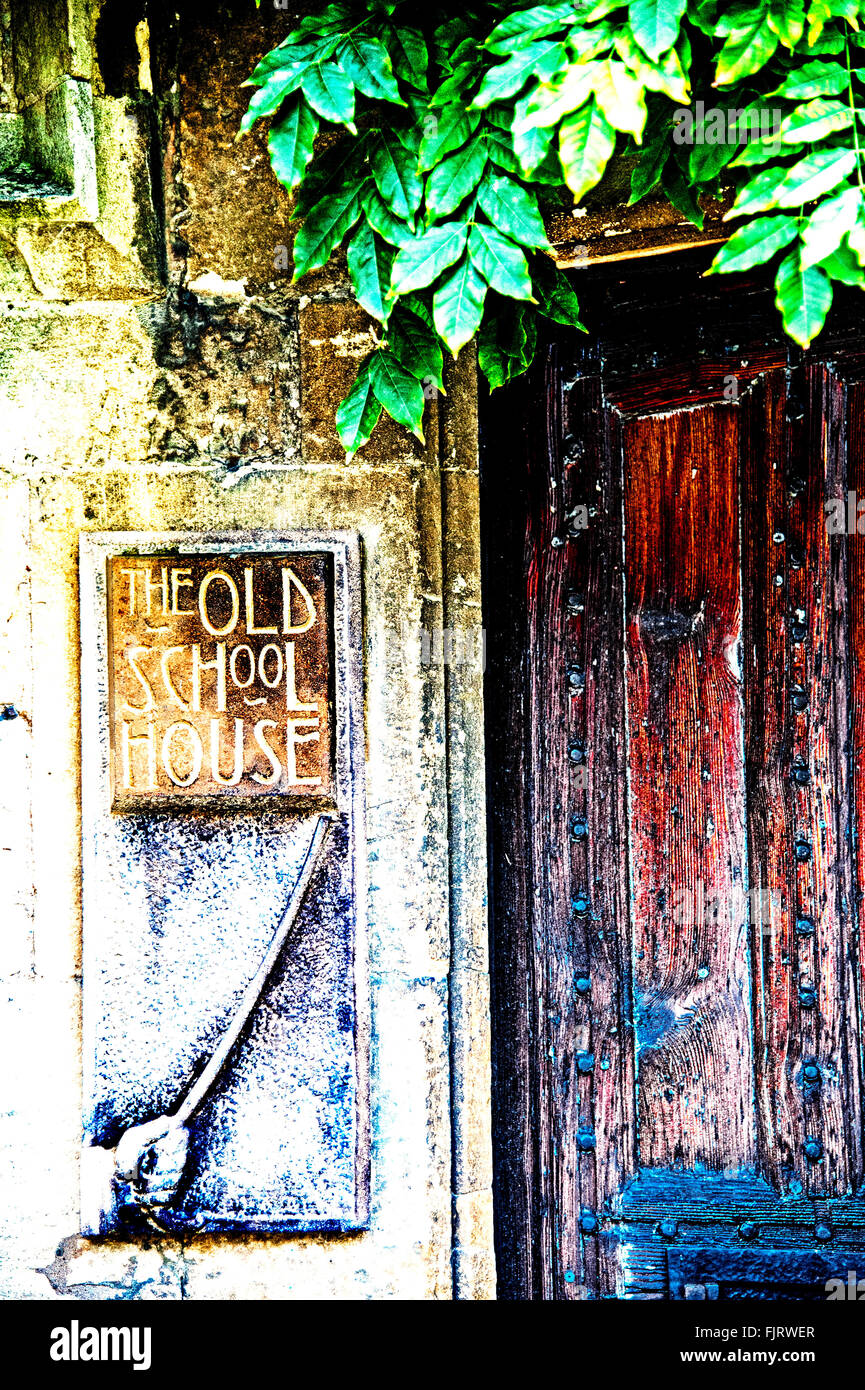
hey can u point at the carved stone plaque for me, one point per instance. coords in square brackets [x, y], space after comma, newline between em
[220, 677]
[225, 1039]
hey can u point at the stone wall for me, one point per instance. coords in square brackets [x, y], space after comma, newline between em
[159, 373]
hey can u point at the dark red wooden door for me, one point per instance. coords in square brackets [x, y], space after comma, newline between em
[676, 743]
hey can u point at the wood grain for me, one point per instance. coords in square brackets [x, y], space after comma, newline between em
[560, 921]
[685, 756]
[797, 682]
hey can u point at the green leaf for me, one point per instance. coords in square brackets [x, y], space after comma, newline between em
[746, 51]
[826, 228]
[754, 244]
[654, 153]
[458, 305]
[409, 56]
[818, 173]
[513, 209]
[546, 104]
[525, 26]
[290, 142]
[340, 164]
[829, 43]
[506, 342]
[680, 193]
[586, 142]
[501, 152]
[555, 294]
[856, 238]
[550, 170]
[786, 18]
[395, 174]
[445, 131]
[324, 228]
[392, 229]
[540, 60]
[761, 151]
[456, 89]
[655, 24]
[842, 265]
[424, 258]
[357, 416]
[369, 264]
[270, 97]
[621, 97]
[708, 156]
[665, 76]
[820, 11]
[588, 43]
[416, 346]
[416, 304]
[531, 143]
[814, 80]
[367, 63]
[804, 298]
[398, 391]
[284, 58]
[328, 88]
[759, 193]
[815, 120]
[500, 261]
[454, 179]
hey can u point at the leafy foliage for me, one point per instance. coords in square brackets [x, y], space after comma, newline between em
[457, 122]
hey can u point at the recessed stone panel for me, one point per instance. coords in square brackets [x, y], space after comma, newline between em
[224, 955]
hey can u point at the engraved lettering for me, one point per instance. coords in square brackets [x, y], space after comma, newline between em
[291, 699]
[237, 771]
[126, 741]
[220, 676]
[293, 738]
[290, 581]
[232, 666]
[262, 666]
[250, 609]
[275, 764]
[217, 665]
[166, 677]
[179, 583]
[132, 655]
[161, 585]
[206, 582]
[195, 754]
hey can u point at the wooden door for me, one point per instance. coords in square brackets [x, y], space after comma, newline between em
[676, 744]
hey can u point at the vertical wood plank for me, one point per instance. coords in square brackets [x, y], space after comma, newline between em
[595, 727]
[855, 546]
[798, 680]
[562, 831]
[691, 972]
[509, 462]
